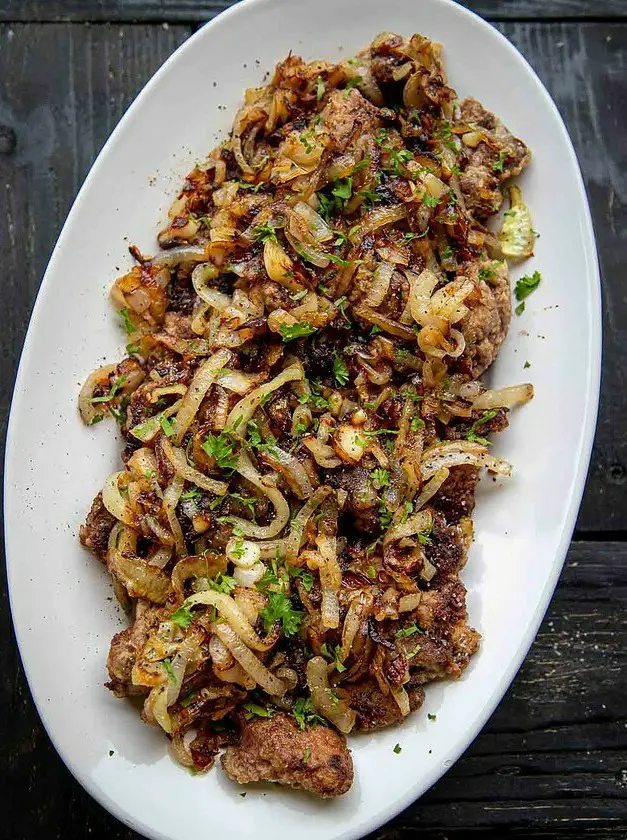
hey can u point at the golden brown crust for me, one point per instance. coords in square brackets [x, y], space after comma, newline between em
[275, 750]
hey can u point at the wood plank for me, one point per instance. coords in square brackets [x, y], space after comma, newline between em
[201, 10]
[553, 757]
[583, 67]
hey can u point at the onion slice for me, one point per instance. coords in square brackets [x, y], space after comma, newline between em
[327, 703]
[242, 412]
[282, 510]
[204, 378]
[178, 460]
[503, 397]
[459, 452]
[227, 607]
[249, 662]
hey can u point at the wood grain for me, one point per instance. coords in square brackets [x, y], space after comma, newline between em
[584, 68]
[201, 10]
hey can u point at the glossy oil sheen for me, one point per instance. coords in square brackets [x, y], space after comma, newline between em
[54, 466]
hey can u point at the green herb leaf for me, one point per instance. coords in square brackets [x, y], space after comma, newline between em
[222, 448]
[472, 432]
[191, 494]
[167, 425]
[381, 477]
[298, 330]
[111, 393]
[340, 371]
[167, 666]
[279, 608]
[305, 713]
[524, 287]
[320, 88]
[265, 232]
[182, 617]
[397, 749]
[416, 424]
[408, 631]
[429, 200]
[254, 709]
[129, 326]
[499, 165]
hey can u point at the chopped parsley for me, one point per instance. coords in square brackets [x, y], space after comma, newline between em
[167, 667]
[221, 582]
[222, 448]
[527, 365]
[432, 717]
[397, 160]
[524, 287]
[299, 295]
[255, 710]
[279, 608]
[385, 516]
[340, 371]
[381, 477]
[166, 425]
[429, 200]
[408, 631]
[128, 325]
[333, 654]
[472, 432]
[305, 713]
[191, 494]
[485, 273]
[265, 232]
[397, 749]
[499, 165]
[351, 83]
[298, 330]
[182, 617]
[416, 424]
[111, 393]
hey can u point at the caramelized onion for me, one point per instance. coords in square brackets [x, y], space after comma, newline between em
[203, 379]
[460, 452]
[249, 662]
[326, 701]
[179, 461]
[503, 397]
[243, 411]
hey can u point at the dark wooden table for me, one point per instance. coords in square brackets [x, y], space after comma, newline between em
[552, 761]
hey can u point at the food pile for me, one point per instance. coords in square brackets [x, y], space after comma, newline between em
[303, 418]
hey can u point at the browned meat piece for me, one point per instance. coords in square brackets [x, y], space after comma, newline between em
[376, 710]
[94, 534]
[276, 750]
[178, 326]
[125, 647]
[456, 497]
[362, 500]
[445, 648]
[446, 549]
[486, 325]
[349, 116]
[500, 157]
